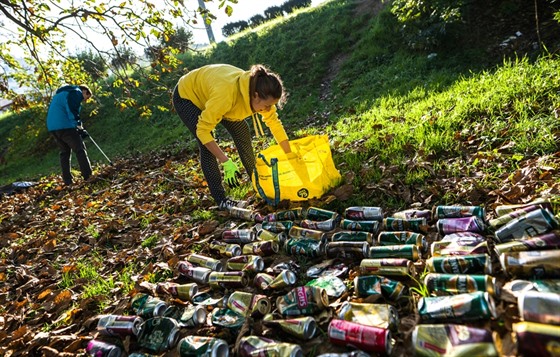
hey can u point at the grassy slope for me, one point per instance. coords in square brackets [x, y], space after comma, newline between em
[388, 110]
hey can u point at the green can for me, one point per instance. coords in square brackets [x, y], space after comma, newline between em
[367, 285]
[387, 266]
[194, 346]
[319, 214]
[304, 246]
[462, 307]
[407, 251]
[459, 211]
[402, 237]
[277, 226]
[419, 225]
[365, 226]
[460, 283]
[460, 264]
[352, 236]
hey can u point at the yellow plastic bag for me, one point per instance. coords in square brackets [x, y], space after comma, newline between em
[307, 173]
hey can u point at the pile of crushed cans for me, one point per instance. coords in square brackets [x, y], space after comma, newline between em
[463, 278]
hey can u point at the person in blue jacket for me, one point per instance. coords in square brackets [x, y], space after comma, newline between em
[63, 122]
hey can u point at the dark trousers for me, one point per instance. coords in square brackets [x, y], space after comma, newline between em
[240, 133]
[69, 140]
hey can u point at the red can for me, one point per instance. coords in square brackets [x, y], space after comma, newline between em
[367, 338]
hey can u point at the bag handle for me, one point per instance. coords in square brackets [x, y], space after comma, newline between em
[274, 165]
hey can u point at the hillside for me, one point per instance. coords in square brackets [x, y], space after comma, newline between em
[407, 130]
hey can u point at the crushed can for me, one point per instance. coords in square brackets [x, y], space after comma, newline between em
[353, 236]
[460, 283]
[251, 346]
[528, 225]
[364, 213]
[536, 264]
[184, 292]
[452, 340]
[303, 328]
[196, 346]
[285, 215]
[414, 213]
[387, 266]
[364, 226]
[325, 226]
[246, 263]
[377, 315]
[226, 249]
[459, 247]
[264, 235]
[418, 225]
[459, 211]
[407, 251]
[461, 307]
[303, 300]
[334, 286]
[189, 316]
[277, 226]
[119, 325]
[461, 224]
[347, 250]
[544, 241]
[227, 318]
[239, 236]
[460, 264]
[501, 220]
[367, 285]
[228, 279]
[505, 209]
[147, 306]
[242, 213]
[159, 334]
[206, 262]
[535, 339]
[330, 267]
[262, 248]
[308, 247]
[541, 307]
[366, 338]
[305, 233]
[248, 304]
[98, 348]
[285, 278]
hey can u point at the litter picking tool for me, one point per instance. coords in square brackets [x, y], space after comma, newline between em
[101, 151]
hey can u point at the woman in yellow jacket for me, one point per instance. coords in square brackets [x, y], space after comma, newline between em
[225, 94]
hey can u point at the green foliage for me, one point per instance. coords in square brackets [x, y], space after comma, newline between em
[93, 64]
[151, 241]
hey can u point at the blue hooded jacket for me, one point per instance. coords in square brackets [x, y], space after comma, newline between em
[64, 110]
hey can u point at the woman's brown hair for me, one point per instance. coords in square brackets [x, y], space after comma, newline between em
[267, 84]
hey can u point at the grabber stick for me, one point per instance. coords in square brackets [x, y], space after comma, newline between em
[94, 143]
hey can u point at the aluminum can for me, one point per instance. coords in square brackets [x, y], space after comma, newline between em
[536, 264]
[299, 233]
[196, 346]
[501, 220]
[98, 348]
[159, 334]
[442, 248]
[367, 285]
[301, 327]
[226, 249]
[387, 266]
[284, 279]
[205, 262]
[414, 213]
[529, 225]
[264, 235]
[536, 306]
[460, 283]
[303, 300]
[261, 248]
[248, 304]
[197, 274]
[262, 280]
[308, 247]
[329, 267]
[242, 213]
[407, 251]
[365, 226]
[364, 213]
[546, 241]
[452, 340]
[353, 236]
[228, 279]
[119, 325]
[285, 215]
[377, 315]
[247, 263]
[261, 346]
[147, 306]
[459, 211]
[347, 250]
[277, 226]
[461, 224]
[181, 291]
[470, 238]
[505, 209]
[403, 237]
[325, 226]
[534, 339]
[366, 338]
[460, 264]
[418, 225]
[192, 316]
[239, 236]
[319, 214]
[461, 307]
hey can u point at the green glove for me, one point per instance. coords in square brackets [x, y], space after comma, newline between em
[231, 173]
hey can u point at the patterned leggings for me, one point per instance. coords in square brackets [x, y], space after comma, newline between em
[240, 133]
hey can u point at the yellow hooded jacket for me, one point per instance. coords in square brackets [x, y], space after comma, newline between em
[222, 91]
